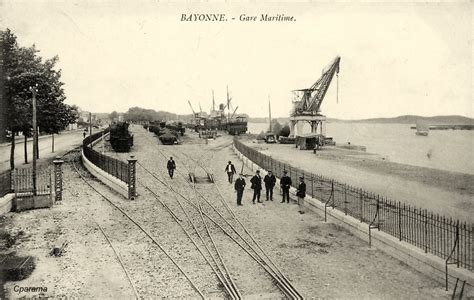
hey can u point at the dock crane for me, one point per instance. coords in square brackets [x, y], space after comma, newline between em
[194, 113]
[307, 106]
[309, 100]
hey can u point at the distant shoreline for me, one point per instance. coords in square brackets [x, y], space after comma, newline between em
[448, 127]
[453, 120]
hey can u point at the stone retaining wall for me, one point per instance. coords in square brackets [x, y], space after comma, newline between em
[429, 264]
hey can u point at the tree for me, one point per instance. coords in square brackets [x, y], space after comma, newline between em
[113, 116]
[276, 128]
[24, 68]
[285, 131]
[261, 135]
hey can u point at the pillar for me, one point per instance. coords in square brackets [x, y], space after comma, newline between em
[132, 176]
[58, 179]
[292, 128]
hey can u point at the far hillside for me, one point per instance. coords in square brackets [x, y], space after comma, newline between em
[411, 119]
[407, 119]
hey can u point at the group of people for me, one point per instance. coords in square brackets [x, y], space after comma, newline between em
[269, 181]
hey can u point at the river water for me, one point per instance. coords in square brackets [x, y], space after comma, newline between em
[450, 150]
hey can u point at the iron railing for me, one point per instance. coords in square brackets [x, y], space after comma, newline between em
[435, 234]
[112, 166]
[5, 183]
[23, 185]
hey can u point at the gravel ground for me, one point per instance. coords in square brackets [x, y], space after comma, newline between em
[321, 259]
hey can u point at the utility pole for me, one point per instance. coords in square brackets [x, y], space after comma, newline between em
[34, 90]
[90, 123]
[213, 103]
[228, 104]
[269, 113]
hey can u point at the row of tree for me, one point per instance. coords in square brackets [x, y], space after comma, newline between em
[138, 114]
[277, 129]
[24, 68]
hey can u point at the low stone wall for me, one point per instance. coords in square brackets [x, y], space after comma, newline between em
[109, 180]
[6, 203]
[32, 202]
[429, 264]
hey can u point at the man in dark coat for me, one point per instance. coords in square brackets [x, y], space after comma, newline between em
[239, 188]
[285, 184]
[270, 181]
[301, 193]
[230, 170]
[171, 167]
[256, 186]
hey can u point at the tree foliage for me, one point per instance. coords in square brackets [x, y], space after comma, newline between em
[113, 115]
[138, 114]
[285, 131]
[276, 128]
[24, 68]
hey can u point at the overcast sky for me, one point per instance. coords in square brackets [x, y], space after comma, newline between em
[396, 59]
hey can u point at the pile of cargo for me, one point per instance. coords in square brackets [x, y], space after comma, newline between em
[168, 134]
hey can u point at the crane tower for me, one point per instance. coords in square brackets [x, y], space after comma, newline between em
[307, 103]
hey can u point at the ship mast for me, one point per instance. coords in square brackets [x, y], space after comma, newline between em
[213, 102]
[228, 104]
[269, 113]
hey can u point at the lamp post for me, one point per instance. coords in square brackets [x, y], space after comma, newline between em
[34, 90]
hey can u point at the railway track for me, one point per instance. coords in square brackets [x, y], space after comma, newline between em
[223, 219]
[137, 225]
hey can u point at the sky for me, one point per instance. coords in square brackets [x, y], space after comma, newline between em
[396, 58]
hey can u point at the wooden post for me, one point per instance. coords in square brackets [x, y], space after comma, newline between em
[34, 90]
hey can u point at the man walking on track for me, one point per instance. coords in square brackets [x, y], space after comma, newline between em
[301, 193]
[256, 186]
[270, 181]
[285, 184]
[230, 170]
[239, 188]
[171, 167]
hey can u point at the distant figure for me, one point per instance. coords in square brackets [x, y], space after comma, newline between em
[230, 170]
[270, 181]
[430, 152]
[171, 167]
[239, 188]
[285, 184]
[256, 186]
[84, 134]
[301, 193]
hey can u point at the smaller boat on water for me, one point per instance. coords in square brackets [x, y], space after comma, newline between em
[422, 129]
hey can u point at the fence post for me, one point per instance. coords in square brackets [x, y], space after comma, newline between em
[132, 177]
[378, 212]
[332, 192]
[58, 179]
[312, 188]
[360, 206]
[458, 243]
[426, 231]
[345, 199]
[399, 221]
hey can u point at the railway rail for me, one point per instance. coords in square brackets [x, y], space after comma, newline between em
[229, 226]
[142, 229]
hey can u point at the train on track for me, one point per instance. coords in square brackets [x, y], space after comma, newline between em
[168, 134]
[120, 138]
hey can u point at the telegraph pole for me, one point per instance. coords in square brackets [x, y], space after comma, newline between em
[34, 90]
[90, 123]
[269, 113]
[228, 104]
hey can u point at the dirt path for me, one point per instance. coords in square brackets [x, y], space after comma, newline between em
[322, 260]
